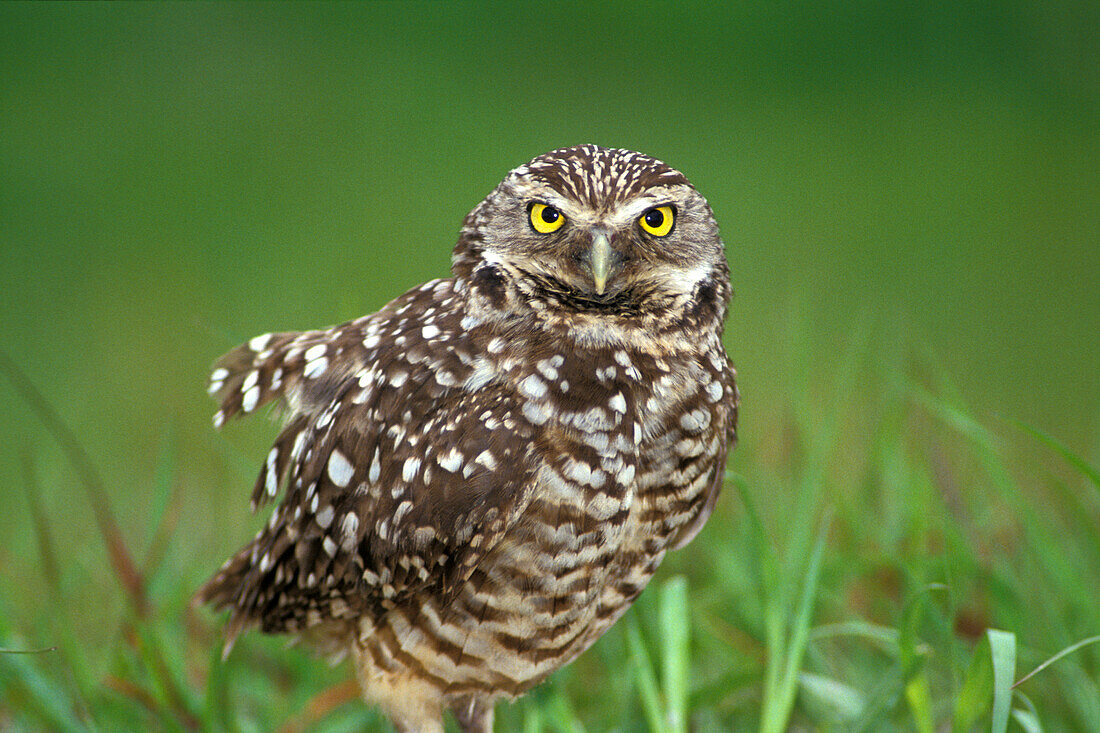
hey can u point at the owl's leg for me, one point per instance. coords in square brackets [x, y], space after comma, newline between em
[412, 704]
[474, 714]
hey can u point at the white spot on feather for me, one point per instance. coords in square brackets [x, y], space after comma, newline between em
[547, 369]
[315, 367]
[532, 387]
[486, 459]
[715, 391]
[250, 398]
[272, 479]
[348, 529]
[402, 509]
[299, 443]
[324, 517]
[717, 360]
[375, 468]
[259, 343]
[450, 461]
[340, 469]
[695, 421]
[537, 412]
[410, 469]
[482, 373]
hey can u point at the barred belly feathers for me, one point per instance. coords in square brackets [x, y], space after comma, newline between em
[481, 477]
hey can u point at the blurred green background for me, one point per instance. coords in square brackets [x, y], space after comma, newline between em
[176, 178]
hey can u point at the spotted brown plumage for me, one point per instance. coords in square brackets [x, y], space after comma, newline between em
[480, 478]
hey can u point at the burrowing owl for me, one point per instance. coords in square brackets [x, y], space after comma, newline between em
[481, 477]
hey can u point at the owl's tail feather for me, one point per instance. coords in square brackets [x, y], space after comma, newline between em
[224, 590]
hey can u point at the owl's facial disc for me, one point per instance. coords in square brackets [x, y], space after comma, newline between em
[602, 254]
[599, 230]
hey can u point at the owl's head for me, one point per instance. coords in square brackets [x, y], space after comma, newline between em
[598, 231]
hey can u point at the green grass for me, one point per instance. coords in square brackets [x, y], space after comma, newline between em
[896, 564]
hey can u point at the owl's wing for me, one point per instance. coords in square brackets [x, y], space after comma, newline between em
[403, 463]
[725, 420]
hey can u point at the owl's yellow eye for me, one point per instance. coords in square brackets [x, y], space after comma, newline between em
[658, 221]
[546, 219]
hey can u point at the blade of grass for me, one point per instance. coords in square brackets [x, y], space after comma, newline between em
[768, 586]
[1060, 448]
[1081, 690]
[1068, 650]
[1054, 556]
[1028, 717]
[26, 689]
[881, 696]
[919, 697]
[532, 720]
[885, 638]
[1002, 649]
[165, 511]
[1027, 720]
[135, 692]
[321, 706]
[75, 662]
[975, 696]
[773, 718]
[675, 642]
[779, 699]
[765, 572]
[913, 653]
[121, 560]
[215, 712]
[163, 478]
[845, 701]
[561, 716]
[177, 698]
[644, 676]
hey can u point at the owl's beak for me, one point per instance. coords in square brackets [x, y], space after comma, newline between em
[601, 258]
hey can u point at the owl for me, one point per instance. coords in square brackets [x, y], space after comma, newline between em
[479, 479]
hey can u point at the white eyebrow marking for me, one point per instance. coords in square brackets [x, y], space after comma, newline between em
[635, 207]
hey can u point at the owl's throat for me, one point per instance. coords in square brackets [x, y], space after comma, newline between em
[560, 295]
